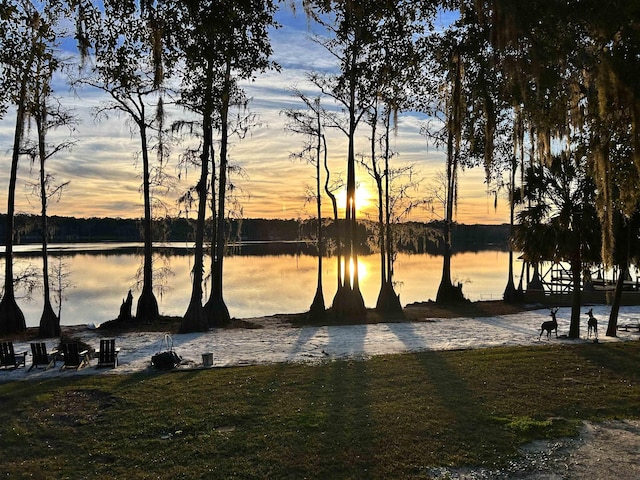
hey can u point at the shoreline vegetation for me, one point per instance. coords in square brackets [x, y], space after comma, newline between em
[86, 230]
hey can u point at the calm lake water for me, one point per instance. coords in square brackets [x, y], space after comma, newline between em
[255, 285]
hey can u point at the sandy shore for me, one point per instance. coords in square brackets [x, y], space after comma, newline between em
[271, 340]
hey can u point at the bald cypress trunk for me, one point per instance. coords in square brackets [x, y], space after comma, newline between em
[195, 319]
[447, 293]
[216, 308]
[147, 308]
[49, 321]
[11, 317]
[348, 302]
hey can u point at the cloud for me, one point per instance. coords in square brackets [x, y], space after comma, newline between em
[105, 177]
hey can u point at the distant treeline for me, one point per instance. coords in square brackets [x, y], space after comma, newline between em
[412, 237]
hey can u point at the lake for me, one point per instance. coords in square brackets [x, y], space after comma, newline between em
[255, 285]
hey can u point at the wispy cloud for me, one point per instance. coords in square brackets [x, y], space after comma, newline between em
[105, 178]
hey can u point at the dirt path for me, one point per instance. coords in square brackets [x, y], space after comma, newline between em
[608, 450]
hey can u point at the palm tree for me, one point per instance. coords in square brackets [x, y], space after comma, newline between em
[561, 223]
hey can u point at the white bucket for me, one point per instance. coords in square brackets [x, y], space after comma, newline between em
[207, 359]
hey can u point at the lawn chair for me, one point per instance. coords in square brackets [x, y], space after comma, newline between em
[72, 358]
[8, 358]
[108, 354]
[40, 357]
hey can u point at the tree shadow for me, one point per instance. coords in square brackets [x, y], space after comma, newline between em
[305, 335]
[348, 445]
[473, 433]
[504, 324]
[620, 358]
[453, 417]
[347, 341]
[337, 411]
[407, 333]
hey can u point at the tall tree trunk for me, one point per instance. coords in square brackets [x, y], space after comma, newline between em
[318, 309]
[348, 302]
[612, 325]
[217, 310]
[147, 308]
[195, 319]
[334, 205]
[378, 179]
[49, 321]
[510, 292]
[382, 244]
[11, 317]
[388, 301]
[576, 303]
[387, 202]
[213, 291]
[447, 293]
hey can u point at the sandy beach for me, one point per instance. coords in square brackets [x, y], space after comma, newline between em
[275, 341]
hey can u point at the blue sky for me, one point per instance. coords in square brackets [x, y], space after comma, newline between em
[104, 174]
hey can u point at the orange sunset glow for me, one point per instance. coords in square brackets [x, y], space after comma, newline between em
[104, 169]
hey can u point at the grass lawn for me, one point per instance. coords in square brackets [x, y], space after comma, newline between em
[387, 417]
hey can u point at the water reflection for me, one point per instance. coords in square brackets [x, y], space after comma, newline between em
[255, 285]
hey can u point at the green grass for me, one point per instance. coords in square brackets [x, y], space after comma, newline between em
[388, 417]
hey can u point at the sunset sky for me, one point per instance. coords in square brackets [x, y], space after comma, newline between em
[104, 173]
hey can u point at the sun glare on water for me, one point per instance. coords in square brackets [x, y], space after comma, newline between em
[363, 271]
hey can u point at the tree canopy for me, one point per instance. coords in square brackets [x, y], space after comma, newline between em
[545, 88]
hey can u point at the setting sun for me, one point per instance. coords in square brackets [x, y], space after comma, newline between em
[364, 199]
